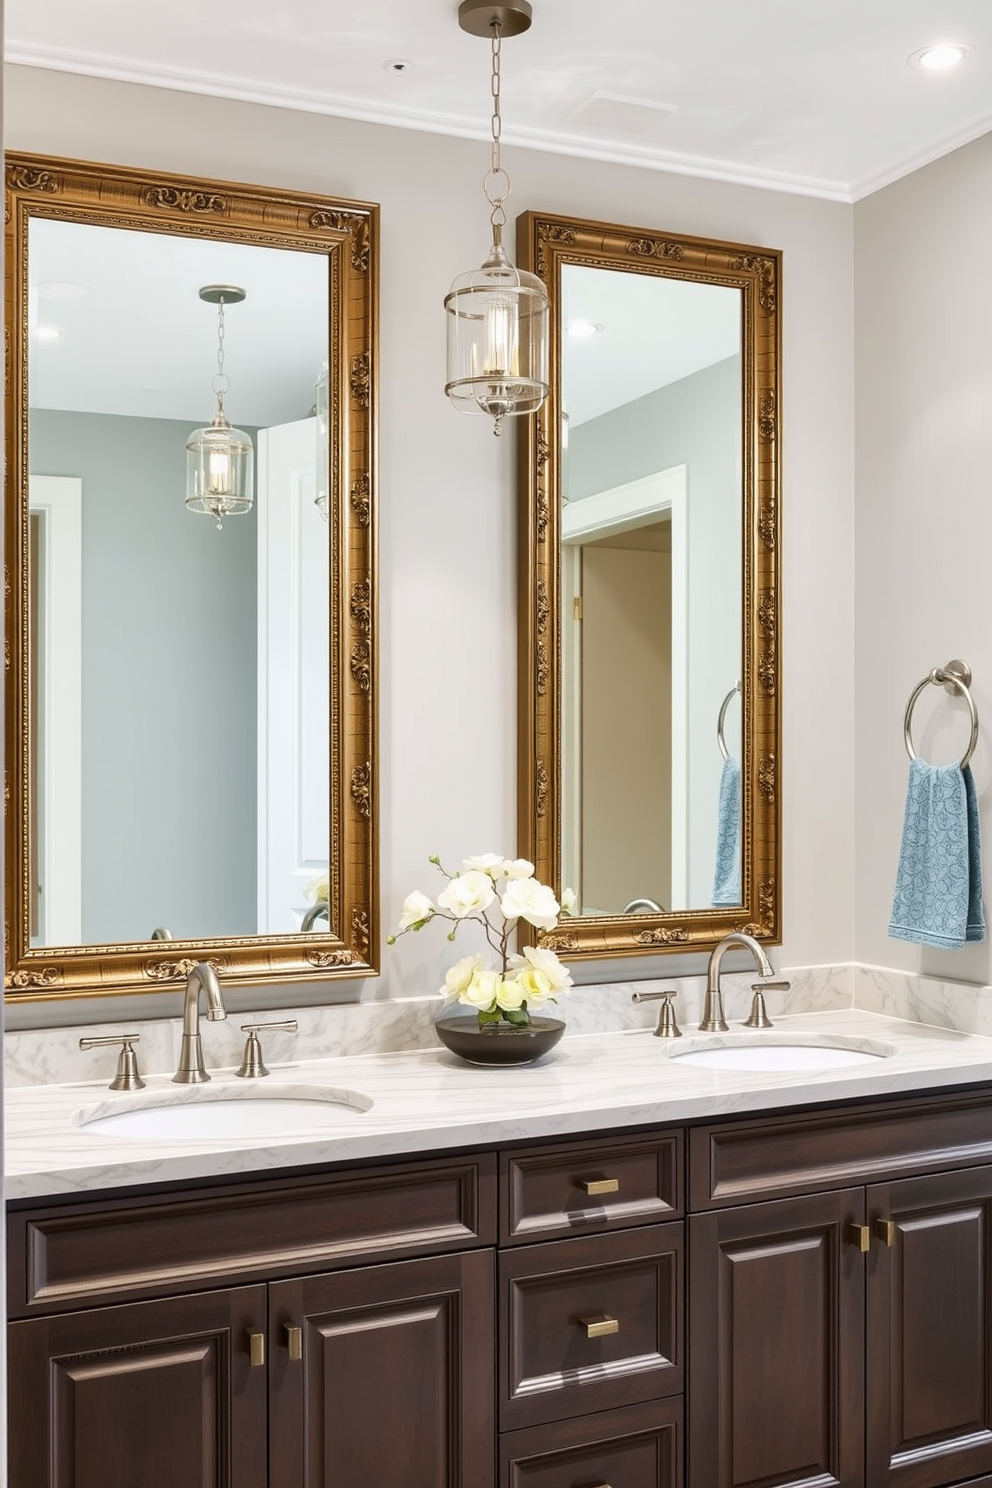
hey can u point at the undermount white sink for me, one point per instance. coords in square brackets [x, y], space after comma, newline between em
[208, 1113]
[766, 1053]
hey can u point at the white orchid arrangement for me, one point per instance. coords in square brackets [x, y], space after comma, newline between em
[495, 893]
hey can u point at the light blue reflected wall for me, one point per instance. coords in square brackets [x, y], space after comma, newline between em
[169, 690]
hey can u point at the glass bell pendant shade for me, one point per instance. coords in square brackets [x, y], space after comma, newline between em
[219, 469]
[497, 319]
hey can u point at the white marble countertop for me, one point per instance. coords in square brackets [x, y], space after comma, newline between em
[425, 1101]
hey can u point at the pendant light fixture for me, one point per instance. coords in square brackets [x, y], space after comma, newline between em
[497, 315]
[220, 460]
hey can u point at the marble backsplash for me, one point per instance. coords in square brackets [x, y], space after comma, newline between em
[47, 1056]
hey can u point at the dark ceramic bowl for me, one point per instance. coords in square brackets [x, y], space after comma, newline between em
[499, 1043]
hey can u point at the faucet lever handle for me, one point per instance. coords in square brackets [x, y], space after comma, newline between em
[667, 1026]
[127, 1076]
[252, 1063]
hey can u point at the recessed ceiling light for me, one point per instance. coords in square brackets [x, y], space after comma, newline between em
[47, 333]
[397, 64]
[583, 329]
[940, 57]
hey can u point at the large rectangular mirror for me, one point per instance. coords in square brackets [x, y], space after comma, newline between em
[190, 692]
[649, 678]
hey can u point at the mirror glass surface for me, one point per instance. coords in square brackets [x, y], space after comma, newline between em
[160, 737]
[651, 592]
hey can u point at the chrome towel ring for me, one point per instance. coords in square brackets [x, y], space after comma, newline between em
[955, 677]
[722, 717]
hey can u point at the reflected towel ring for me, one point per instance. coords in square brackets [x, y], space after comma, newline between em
[954, 677]
[722, 717]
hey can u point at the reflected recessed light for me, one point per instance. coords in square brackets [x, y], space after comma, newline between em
[939, 58]
[62, 289]
[47, 333]
[582, 329]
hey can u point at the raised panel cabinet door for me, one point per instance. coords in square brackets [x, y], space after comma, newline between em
[930, 1330]
[384, 1377]
[146, 1395]
[776, 1344]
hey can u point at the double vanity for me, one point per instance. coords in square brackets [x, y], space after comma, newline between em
[615, 1267]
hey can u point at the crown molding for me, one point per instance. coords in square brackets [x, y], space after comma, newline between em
[878, 180]
[556, 142]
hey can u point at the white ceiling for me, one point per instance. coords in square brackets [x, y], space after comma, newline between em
[791, 94]
[136, 339]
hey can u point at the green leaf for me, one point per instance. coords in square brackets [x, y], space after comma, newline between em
[519, 1017]
[488, 1015]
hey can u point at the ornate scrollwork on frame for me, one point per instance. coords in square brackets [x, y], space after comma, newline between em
[655, 248]
[44, 977]
[133, 204]
[360, 931]
[553, 770]
[361, 501]
[361, 790]
[29, 178]
[361, 380]
[355, 223]
[189, 200]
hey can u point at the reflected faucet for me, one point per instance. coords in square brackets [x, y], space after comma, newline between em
[318, 911]
[713, 1019]
[202, 977]
[642, 906]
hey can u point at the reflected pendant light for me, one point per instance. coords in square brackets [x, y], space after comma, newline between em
[220, 460]
[497, 315]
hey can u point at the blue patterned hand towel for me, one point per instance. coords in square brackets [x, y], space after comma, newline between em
[727, 878]
[938, 899]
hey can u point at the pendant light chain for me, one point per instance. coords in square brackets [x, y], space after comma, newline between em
[221, 383]
[494, 195]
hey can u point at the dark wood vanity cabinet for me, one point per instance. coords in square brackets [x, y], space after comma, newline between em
[843, 1338]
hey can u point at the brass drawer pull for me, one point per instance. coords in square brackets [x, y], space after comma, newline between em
[886, 1231]
[861, 1237]
[256, 1349]
[599, 1326]
[294, 1342]
[599, 1185]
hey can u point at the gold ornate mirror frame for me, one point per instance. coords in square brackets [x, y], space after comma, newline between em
[346, 233]
[545, 244]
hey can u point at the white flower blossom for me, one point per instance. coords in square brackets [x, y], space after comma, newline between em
[417, 910]
[458, 977]
[482, 989]
[539, 959]
[535, 985]
[526, 899]
[518, 868]
[318, 890]
[569, 901]
[490, 863]
[510, 995]
[470, 893]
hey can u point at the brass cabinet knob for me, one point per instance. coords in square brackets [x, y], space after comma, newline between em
[598, 1185]
[886, 1231]
[599, 1326]
[294, 1342]
[861, 1237]
[256, 1349]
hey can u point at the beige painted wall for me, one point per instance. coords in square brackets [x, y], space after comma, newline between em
[447, 487]
[924, 519]
[626, 726]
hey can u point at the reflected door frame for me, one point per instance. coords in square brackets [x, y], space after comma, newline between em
[622, 508]
[55, 505]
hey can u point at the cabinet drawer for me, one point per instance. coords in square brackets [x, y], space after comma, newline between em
[776, 1156]
[636, 1448]
[590, 1325]
[128, 1247]
[590, 1186]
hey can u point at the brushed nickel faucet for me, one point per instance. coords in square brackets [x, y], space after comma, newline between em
[202, 977]
[713, 1019]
